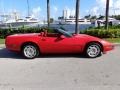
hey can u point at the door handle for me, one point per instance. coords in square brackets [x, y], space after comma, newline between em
[43, 39]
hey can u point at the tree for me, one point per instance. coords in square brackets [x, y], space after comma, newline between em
[107, 14]
[48, 12]
[59, 18]
[101, 17]
[116, 17]
[28, 8]
[77, 16]
[93, 17]
[87, 16]
[51, 20]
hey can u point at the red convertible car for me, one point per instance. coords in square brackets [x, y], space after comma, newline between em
[60, 42]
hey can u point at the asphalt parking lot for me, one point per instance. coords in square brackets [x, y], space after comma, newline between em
[68, 72]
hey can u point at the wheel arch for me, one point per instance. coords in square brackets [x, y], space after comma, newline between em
[94, 42]
[29, 42]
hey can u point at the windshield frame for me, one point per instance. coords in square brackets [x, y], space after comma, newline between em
[65, 33]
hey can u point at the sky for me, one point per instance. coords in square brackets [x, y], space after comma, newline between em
[38, 7]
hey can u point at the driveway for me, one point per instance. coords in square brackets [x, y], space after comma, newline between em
[62, 72]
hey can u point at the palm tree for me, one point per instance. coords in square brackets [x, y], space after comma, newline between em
[48, 12]
[77, 16]
[107, 14]
[28, 7]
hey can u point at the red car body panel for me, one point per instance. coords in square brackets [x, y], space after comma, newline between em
[55, 44]
[61, 45]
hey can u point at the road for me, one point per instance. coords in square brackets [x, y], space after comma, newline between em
[68, 72]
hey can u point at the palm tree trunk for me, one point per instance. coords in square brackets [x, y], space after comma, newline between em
[48, 13]
[107, 15]
[77, 16]
[28, 8]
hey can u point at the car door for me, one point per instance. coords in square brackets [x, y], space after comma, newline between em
[61, 44]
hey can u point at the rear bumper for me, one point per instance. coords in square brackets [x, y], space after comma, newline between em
[12, 48]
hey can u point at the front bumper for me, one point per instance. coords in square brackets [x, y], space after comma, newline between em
[108, 48]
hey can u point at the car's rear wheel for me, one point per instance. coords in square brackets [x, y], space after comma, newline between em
[93, 50]
[30, 51]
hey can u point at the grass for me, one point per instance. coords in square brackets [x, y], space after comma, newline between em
[2, 41]
[113, 40]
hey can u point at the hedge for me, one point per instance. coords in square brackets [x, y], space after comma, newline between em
[10, 31]
[102, 33]
[113, 32]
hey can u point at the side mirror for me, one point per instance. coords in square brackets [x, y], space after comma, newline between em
[62, 36]
[41, 34]
[73, 34]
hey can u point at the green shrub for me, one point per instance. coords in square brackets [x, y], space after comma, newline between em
[102, 33]
[113, 32]
[10, 31]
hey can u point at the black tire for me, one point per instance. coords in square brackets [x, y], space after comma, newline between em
[93, 50]
[30, 51]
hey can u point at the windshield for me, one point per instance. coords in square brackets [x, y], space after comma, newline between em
[65, 33]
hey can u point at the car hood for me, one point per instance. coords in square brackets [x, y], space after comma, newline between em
[88, 37]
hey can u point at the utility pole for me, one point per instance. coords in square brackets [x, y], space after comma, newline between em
[77, 16]
[107, 15]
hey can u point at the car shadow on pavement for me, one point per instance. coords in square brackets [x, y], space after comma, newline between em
[62, 56]
[4, 53]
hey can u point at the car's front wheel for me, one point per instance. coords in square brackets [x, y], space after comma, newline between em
[30, 51]
[93, 50]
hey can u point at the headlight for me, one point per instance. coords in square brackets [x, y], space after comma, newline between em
[104, 42]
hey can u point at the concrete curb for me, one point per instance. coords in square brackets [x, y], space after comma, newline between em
[117, 44]
[2, 45]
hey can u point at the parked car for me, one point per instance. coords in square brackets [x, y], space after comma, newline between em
[60, 42]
